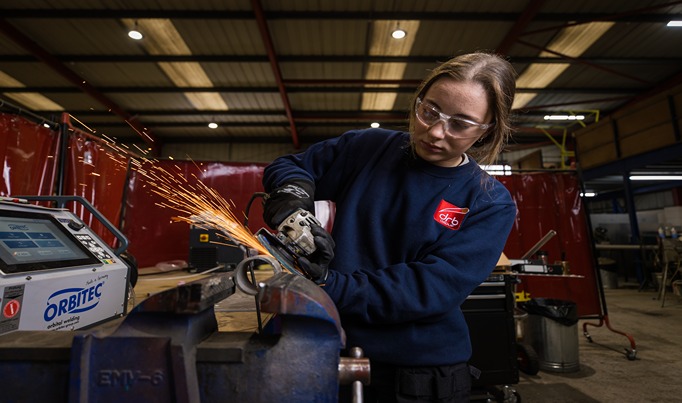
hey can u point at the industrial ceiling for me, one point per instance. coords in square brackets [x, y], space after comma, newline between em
[299, 71]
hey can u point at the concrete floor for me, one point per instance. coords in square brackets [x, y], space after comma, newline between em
[605, 374]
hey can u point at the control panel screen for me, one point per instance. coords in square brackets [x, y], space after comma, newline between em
[36, 242]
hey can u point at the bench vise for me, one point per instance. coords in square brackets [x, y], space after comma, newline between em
[169, 349]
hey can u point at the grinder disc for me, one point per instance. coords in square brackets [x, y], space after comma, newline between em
[280, 252]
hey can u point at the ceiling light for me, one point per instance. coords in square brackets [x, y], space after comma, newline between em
[675, 24]
[212, 125]
[375, 125]
[398, 33]
[588, 194]
[564, 117]
[134, 33]
[656, 177]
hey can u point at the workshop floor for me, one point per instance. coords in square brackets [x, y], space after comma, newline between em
[605, 374]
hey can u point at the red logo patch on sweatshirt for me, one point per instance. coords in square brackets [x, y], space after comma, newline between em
[449, 215]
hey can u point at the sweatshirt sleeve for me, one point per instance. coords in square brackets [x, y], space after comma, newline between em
[315, 164]
[330, 164]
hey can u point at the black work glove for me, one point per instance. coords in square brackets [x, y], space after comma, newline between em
[316, 266]
[286, 199]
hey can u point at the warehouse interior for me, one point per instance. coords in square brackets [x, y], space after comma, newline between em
[108, 111]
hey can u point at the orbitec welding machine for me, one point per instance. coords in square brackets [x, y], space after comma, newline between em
[55, 272]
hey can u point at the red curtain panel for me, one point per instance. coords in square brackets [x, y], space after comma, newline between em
[29, 154]
[97, 173]
[551, 201]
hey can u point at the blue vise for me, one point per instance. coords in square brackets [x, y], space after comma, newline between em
[169, 349]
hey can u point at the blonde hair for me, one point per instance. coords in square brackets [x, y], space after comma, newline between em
[498, 78]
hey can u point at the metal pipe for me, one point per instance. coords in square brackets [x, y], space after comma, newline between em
[539, 245]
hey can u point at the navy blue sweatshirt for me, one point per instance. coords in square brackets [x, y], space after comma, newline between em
[413, 240]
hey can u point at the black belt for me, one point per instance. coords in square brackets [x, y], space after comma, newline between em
[430, 385]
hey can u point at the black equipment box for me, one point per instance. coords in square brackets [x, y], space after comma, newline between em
[489, 312]
[207, 250]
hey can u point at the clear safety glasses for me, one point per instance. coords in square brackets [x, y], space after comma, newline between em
[453, 125]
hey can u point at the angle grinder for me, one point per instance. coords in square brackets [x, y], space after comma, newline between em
[293, 239]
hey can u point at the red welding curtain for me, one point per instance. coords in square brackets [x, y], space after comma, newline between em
[154, 237]
[98, 174]
[29, 154]
[551, 201]
[545, 200]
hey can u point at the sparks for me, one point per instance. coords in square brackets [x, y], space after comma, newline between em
[197, 204]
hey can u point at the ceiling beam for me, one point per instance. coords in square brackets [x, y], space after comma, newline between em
[82, 58]
[319, 86]
[274, 64]
[520, 26]
[180, 14]
[670, 82]
[300, 115]
[579, 60]
[30, 46]
[621, 16]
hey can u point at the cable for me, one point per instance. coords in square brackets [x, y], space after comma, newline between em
[248, 205]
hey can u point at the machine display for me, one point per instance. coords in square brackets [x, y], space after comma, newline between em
[34, 242]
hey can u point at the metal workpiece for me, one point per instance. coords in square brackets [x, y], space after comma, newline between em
[246, 268]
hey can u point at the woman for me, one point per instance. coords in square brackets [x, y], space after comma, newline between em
[418, 226]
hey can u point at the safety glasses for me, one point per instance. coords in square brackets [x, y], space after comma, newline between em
[453, 125]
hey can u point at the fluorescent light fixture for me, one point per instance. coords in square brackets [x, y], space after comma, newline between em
[588, 194]
[375, 125]
[656, 177]
[564, 117]
[164, 39]
[398, 33]
[503, 170]
[212, 125]
[675, 24]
